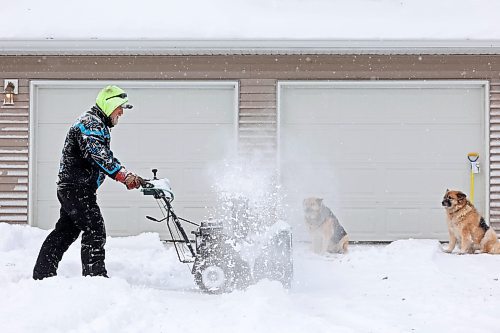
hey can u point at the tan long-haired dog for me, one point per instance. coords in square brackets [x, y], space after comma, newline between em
[467, 227]
[326, 233]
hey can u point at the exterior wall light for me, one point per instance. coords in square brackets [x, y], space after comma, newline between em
[10, 89]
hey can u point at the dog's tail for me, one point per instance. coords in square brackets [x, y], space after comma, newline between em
[345, 243]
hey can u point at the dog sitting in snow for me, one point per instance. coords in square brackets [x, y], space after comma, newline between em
[326, 233]
[467, 227]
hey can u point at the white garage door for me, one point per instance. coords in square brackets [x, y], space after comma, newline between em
[180, 128]
[381, 154]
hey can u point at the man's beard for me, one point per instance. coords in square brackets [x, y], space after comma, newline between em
[114, 120]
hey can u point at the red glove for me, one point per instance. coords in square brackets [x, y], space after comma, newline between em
[130, 179]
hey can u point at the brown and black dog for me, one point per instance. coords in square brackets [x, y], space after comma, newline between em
[467, 226]
[324, 228]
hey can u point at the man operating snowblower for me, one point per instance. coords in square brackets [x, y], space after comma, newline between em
[86, 160]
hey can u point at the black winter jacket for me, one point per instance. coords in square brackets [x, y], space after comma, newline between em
[86, 156]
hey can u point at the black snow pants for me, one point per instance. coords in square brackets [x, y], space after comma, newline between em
[79, 213]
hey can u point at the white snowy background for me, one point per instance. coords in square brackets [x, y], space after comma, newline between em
[406, 286]
[247, 19]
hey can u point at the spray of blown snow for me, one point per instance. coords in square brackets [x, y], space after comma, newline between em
[248, 196]
[250, 209]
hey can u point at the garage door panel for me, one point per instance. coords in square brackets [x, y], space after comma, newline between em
[182, 129]
[302, 176]
[451, 141]
[208, 142]
[173, 143]
[48, 214]
[332, 181]
[47, 179]
[359, 220]
[381, 153]
[323, 143]
[435, 221]
[51, 141]
[178, 106]
[74, 103]
[196, 182]
[396, 181]
[454, 177]
[318, 142]
[363, 184]
[119, 220]
[133, 143]
[407, 142]
[401, 220]
[418, 107]
[151, 105]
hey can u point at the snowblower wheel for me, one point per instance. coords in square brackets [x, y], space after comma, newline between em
[214, 277]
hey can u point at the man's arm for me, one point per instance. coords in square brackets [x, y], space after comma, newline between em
[93, 145]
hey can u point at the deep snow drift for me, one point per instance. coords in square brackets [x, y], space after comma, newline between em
[406, 286]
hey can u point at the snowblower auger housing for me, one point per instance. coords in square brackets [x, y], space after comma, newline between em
[220, 259]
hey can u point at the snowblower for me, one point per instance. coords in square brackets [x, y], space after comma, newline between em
[223, 257]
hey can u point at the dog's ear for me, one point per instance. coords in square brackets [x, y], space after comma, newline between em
[319, 200]
[461, 196]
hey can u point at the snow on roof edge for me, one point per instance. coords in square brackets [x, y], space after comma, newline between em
[243, 46]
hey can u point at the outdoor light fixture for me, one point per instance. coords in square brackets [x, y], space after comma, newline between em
[10, 89]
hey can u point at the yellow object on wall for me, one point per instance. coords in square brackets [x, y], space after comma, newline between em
[474, 168]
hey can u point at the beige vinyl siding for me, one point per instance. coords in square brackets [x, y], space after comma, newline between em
[14, 128]
[495, 154]
[257, 118]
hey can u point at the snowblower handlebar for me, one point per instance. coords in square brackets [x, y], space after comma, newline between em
[159, 188]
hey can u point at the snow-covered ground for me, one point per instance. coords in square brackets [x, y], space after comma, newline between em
[406, 286]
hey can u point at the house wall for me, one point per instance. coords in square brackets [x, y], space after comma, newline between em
[14, 131]
[257, 74]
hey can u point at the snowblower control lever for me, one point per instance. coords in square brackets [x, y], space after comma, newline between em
[159, 188]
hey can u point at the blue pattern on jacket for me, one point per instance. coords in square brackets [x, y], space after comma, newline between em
[87, 157]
